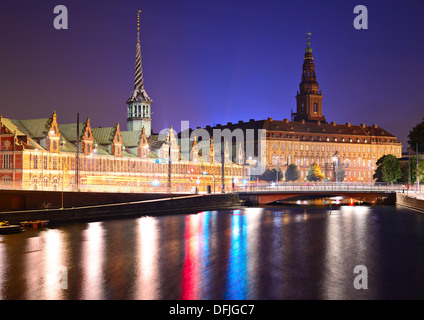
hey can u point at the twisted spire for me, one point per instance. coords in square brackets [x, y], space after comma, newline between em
[138, 81]
[139, 93]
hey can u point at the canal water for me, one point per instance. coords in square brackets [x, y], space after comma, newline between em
[279, 252]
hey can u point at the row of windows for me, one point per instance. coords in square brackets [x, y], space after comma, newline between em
[323, 148]
[121, 165]
[320, 161]
[329, 139]
[138, 111]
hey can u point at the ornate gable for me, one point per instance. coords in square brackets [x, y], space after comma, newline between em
[87, 138]
[117, 142]
[53, 135]
[143, 145]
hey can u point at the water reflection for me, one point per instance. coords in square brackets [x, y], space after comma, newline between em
[147, 285]
[252, 253]
[92, 262]
[3, 264]
[347, 243]
[237, 266]
[55, 271]
[190, 273]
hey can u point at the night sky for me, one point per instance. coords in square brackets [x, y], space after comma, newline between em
[212, 62]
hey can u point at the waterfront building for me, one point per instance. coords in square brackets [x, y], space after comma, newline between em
[309, 138]
[43, 154]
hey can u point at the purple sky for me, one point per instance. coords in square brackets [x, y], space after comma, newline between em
[212, 62]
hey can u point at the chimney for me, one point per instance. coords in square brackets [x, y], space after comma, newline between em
[348, 124]
[333, 123]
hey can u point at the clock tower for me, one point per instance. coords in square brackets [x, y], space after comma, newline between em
[309, 97]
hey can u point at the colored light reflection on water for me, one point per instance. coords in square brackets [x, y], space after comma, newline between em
[252, 253]
[237, 264]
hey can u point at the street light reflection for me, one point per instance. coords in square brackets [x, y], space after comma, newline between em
[93, 256]
[147, 259]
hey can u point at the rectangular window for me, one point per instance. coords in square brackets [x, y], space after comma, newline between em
[35, 162]
[7, 161]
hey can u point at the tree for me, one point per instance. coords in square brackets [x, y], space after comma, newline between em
[292, 173]
[413, 163]
[416, 136]
[341, 173]
[271, 175]
[388, 169]
[314, 173]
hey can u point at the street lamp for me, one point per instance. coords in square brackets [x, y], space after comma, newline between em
[211, 174]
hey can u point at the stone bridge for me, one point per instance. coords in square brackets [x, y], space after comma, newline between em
[367, 193]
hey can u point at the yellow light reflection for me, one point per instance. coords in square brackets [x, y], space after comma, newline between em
[345, 230]
[147, 259]
[334, 258]
[55, 274]
[3, 263]
[93, 257]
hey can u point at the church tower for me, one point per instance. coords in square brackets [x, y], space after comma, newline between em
[138, 105]
[309, 98]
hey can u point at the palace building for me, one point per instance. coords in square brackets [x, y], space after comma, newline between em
[351, 150]
[44, 154]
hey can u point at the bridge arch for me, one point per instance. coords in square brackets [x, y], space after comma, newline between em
[263, 198]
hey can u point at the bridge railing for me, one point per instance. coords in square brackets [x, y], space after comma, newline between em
[326, 187]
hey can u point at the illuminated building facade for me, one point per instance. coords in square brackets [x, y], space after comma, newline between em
[42, 154]
[309, 138]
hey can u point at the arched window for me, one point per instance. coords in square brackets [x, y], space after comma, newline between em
[6, 181]
[55, 183]
[274, 160]
[303, 107]
[315, 108]
[45, 182]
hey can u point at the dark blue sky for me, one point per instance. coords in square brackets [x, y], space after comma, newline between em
[214, 61]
